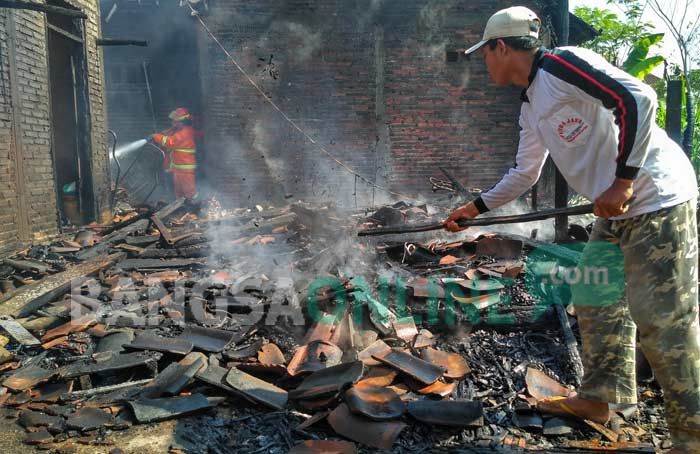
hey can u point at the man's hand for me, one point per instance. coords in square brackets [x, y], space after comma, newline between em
[468, 211]
[615, 200]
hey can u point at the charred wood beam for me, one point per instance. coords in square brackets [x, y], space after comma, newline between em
[121, 234]
[121, 42]
[150, 264]
[245, 218]
[515, 219]
[569, 338]
[65, 33]
[184, 252]
[164, 231]
[16, 4]
[261, 226]
[120, 225]
[27, 265]
[32, 297]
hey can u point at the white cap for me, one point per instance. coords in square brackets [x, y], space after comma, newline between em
[510, 22]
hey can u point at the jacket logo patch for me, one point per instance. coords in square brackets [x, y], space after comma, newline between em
[571, 129]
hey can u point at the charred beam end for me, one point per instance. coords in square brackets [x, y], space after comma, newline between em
[120, 42]
[14, 4]
[569, 338]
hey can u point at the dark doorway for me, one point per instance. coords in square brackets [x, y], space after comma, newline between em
[70, 117]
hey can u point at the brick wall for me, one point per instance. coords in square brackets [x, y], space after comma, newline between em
[369, 81]
[28, 200]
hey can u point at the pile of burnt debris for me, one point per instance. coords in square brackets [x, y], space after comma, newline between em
[276, 330]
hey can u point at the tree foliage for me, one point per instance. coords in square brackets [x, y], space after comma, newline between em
[617, 34]
[682, 18]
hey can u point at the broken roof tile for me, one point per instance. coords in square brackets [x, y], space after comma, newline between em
[324, 447]
[328, 381]
[314, 356]
[256, 389]
[405, 329]
[541, 386]
[455, 365]
[270, 354]
[74, 326]
[448, 412]
[380, 435]
[379, 347]
[410, 365]
[208, 339]
[28, 377]
[155, 410]
[89, 418]
[379, 376]
[424, 339]
[374, 402]
[161, 344]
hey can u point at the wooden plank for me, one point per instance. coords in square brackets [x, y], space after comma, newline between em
[146, 264]
[27, 265]
[16, 4]
[32, 297]
[164, 231]
[569, 338]
[122, 234]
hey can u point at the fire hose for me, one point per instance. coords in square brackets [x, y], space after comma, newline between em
[513, 219]
[119, 177]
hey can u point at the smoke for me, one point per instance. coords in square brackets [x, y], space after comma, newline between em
[300, 42]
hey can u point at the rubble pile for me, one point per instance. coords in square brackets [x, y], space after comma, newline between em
[274, 330]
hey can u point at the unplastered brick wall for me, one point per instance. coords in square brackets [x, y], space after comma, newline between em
[29, 191]
[370, 81]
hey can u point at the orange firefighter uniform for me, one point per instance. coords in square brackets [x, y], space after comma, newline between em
[180, 145]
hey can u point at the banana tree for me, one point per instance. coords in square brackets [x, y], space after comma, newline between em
[638, 63]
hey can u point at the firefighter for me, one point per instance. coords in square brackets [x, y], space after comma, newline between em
[597, 123]
[179, 143]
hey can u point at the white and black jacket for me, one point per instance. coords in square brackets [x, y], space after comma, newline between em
[598, 123]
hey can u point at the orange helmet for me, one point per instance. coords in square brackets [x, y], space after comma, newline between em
[180, 114]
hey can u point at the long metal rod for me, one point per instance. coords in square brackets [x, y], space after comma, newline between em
[119, 170]
[147, 77]
[14, 4]
[529, 217]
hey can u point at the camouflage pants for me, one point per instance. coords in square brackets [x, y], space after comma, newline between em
[651, 261]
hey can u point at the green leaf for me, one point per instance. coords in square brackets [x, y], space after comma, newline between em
[645, 67]
[640, 50]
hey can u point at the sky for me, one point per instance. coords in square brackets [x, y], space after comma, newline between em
[668, 47]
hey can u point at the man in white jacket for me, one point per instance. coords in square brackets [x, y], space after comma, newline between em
[598, 124]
